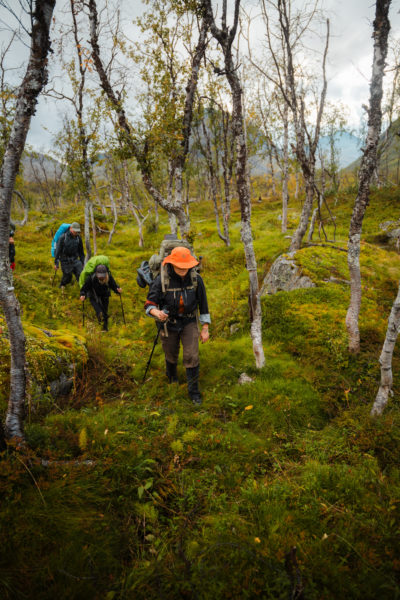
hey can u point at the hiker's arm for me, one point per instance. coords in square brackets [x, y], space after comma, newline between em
[202, 300]
[85, 288]
[204, 317]
[114, 285]
[152, 305]
[81, 252]
[58, 250]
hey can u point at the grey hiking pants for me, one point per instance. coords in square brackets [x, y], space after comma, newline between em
[189, 336]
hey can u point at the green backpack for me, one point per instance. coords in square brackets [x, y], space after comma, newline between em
[91, 265]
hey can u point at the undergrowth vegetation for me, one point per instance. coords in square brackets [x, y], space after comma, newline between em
[126, 490]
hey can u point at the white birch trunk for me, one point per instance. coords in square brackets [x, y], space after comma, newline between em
[93, 223]
[385, 388]
[304, 218]
[367, 168]
[31, 86]
[225, 38]
[114, 213]
[285, 168]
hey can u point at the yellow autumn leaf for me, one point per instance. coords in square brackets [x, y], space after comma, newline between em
[249, 407]
[257, 540]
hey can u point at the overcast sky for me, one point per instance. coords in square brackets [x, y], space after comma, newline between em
[349, 64]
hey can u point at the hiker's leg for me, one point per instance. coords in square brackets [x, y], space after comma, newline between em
[170, 346]
[104, 302]
[98, 309]
[77, 270]
[171, 371]
[66, 275]
[190, 343]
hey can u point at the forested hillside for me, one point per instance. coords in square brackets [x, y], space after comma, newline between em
[126, 490]
[190, 191]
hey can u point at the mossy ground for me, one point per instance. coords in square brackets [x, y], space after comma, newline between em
[129, 491]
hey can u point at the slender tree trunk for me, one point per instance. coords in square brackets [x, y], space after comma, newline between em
[173, 225]
[31, 86]
[212, 178]
[297, 178]
[87, 230]
[114, 213]
[272, 169]
[227, 170]
[385, 388]
[26, 209]
[93, 223]
[367, 168]
[285, 168]
[304, 218]
[156, 217]
[225, 37]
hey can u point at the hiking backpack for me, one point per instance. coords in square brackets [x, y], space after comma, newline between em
[62, 229]
[149, 270]
[90, 267]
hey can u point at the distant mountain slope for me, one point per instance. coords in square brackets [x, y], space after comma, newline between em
[389, 150]
[40, 166]
[347, 145]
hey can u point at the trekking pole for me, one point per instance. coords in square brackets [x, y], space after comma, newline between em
[122, 308]
[154, 345]
[83, 313]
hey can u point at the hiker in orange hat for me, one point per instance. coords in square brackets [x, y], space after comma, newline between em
[175, 298]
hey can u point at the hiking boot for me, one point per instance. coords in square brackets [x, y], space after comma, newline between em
[192, 375]
[171, 372]
[99, 316]
[105, 325]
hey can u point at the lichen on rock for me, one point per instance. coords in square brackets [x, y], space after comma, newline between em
[285, 275]
[53, 358]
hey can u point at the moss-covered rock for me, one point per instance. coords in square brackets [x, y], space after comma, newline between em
[54, 357]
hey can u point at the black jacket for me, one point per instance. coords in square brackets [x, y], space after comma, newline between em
[69, 248]
[193, 299]
[93, 285]
[11, 252]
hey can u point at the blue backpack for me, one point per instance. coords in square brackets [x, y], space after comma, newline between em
[62, 229]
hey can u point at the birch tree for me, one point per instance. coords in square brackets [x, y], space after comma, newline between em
[385, 359]
[142, 147]
[215, 141]
[225, 37]
[40, 13]
[79, 136]
[381, 27]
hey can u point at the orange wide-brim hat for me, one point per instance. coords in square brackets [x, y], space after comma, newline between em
[181, 257]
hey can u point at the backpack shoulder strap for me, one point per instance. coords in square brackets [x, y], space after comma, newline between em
[164, 278]
[193, 276]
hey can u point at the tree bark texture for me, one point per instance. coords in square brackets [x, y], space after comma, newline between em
[381, 27]
[385, 388]
[285, 168]
[225, 37]
[31, 86]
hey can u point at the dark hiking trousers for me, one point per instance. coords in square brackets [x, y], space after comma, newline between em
[69, 268]
[100, 304]
[189, 336]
